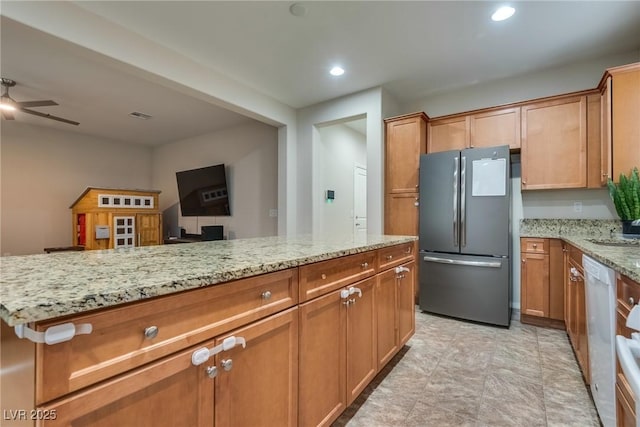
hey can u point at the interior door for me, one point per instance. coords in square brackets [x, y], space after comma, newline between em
[359, 201]
[485, 201]
[439, 201]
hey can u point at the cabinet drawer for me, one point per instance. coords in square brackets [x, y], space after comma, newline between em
[628, 292]
[395, 255]
[119, 339]
[325, 276]
[532, 245]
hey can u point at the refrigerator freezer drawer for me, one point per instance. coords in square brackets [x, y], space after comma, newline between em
[467, 287]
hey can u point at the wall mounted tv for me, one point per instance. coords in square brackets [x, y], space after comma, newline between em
[203, 191]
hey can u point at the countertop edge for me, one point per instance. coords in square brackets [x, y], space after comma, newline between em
[54, 308]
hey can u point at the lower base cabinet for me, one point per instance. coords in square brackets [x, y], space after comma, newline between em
[337, 352]
[258, 389]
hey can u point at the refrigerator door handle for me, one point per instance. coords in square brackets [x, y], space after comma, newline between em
[463, 210]
[490, 264]
[455, 202]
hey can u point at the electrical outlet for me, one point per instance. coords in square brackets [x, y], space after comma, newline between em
[577, 206]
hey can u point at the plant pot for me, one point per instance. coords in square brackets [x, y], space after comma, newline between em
[631, 228]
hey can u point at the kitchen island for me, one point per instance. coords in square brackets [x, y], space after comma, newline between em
[264, 331]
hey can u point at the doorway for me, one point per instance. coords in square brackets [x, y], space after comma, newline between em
[342, 178]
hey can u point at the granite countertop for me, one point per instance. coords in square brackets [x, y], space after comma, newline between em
[625, 259]
[40, 287]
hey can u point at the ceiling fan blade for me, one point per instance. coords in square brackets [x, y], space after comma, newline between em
[7, 115]
[49, 116]
[46, 103]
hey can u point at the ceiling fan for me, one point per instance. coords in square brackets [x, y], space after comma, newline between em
[8, 105]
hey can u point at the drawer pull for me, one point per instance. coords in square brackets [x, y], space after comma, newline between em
[151, 332]
[212, 371]
[54, 334]
[266, 295]
[408, 251]
[324, 276]
[203, 354]
[631, 301]
[389, 257]
[535, 245]
[365, 264]
[227, 364]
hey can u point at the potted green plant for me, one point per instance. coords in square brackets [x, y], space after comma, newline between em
[626, 198]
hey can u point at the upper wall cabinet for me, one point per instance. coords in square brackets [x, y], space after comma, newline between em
[483, 129]
[554, 144]
[620, 102]
[405, 140]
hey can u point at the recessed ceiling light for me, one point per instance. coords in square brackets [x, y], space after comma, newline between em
[297, 9]
[505, 12]
[336, 71]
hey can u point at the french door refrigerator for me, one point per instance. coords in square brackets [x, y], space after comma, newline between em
[465, 234]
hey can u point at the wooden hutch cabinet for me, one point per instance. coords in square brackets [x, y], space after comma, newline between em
[105, 218]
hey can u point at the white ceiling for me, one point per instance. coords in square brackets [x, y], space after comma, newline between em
[413, 49]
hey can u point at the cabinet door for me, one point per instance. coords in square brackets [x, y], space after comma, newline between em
[361, 339]
[448, 134]
[406, 303]
[625, 126]
[170, 392]
[605, 132]
[594, 142]
[499, 127]
[387, 316]
[257, 385]
[322, 358]
[405, 141]
[556, 279]
[401, 216]
[554, 144]
[149, 228]
[535, 284]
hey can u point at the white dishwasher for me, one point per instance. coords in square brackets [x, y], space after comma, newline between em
[601, 323]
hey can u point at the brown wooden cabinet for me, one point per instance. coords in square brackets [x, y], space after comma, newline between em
[576, 324]
[405, 141]
[337, 351]
[448, 134]
[487, 128]
[258, 385]
[303, 364]
[542, 299]
[395, 310]
[554, 144]
[620, 88]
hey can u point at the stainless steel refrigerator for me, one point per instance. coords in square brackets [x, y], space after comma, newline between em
[465, 234]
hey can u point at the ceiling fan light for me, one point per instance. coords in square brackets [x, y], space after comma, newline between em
[7, 104]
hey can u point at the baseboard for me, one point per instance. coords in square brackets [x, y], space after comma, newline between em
[542, 321]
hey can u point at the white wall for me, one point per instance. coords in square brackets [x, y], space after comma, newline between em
[250, 154]
[366, 103]
[575, 77]
[147, 59]
[45, 170]
[340, 149]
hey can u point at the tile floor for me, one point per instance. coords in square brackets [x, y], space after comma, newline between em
[454, 373]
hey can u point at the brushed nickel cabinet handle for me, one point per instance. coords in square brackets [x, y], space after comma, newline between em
[151, 332]
[266, 295]
[631, 301]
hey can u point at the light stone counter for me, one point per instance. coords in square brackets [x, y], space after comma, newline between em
[40, 287]
[624, 259]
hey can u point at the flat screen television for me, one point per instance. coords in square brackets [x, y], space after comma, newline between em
[203, 191]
